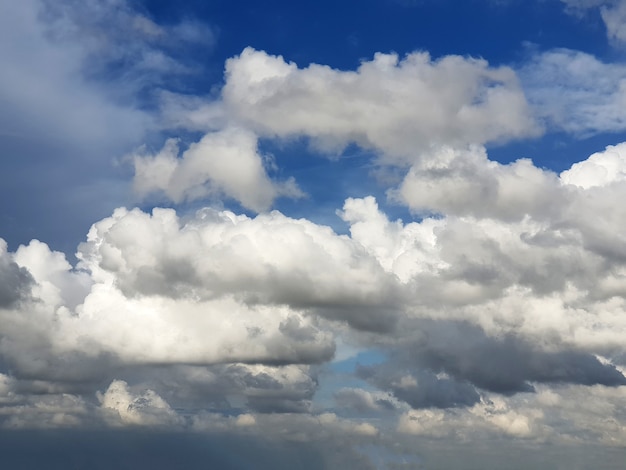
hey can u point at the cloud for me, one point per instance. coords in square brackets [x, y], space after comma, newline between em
[145, 409]
[363, 401]
[504, 365]
[456, 181]
[485, 309]
[614, 17]
[34, 100]
[484, 305]
[149, 285]
[612, 12]
[265, 261]
[15, 282]
[226, 163]
[115, 32]
[489, 418]
[224, 444]
[575, 92]
[394, 106]
[79, 83]
[422, 388]
[599, 170]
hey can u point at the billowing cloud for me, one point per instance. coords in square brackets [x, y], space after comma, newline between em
[145, 408]
[496, 298]
[222, 163]
[491, 314]
[600, 169]
[268, 260]
[396, 106]
[453, 181]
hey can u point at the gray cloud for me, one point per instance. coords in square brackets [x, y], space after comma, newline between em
[15, 282]
[420, 388]
[363, 401]
[507, 364]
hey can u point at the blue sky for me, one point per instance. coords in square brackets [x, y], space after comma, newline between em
[333, 234]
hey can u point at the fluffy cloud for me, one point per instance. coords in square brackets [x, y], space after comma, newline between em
[494, 310]
[465, 182]
[222, 163]
[600, 169]
[149, 288]
[391, 105]
[145, 408]
[490, 316]
[268, 260]
[475, 284]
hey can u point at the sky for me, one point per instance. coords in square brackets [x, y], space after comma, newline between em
[384, 234]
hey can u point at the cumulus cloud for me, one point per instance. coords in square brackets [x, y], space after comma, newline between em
[496, 294]
[222, 163]
[396, 106]
[457, 181]
[145, 408]
[600, 169]
[494, 310]
[270, 259]
[491, 316]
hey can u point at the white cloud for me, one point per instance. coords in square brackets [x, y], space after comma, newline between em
[57, 283]
[151, 288]
[465, 182]
[226, 163]
[270, 259]
[395, 106]
[144, 408]
[600, 169]
[364, 401]
[514, 279]
[500, 292]
[576, 92]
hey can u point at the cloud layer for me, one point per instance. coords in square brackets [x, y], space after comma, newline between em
[487, 305]
[492, 314]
